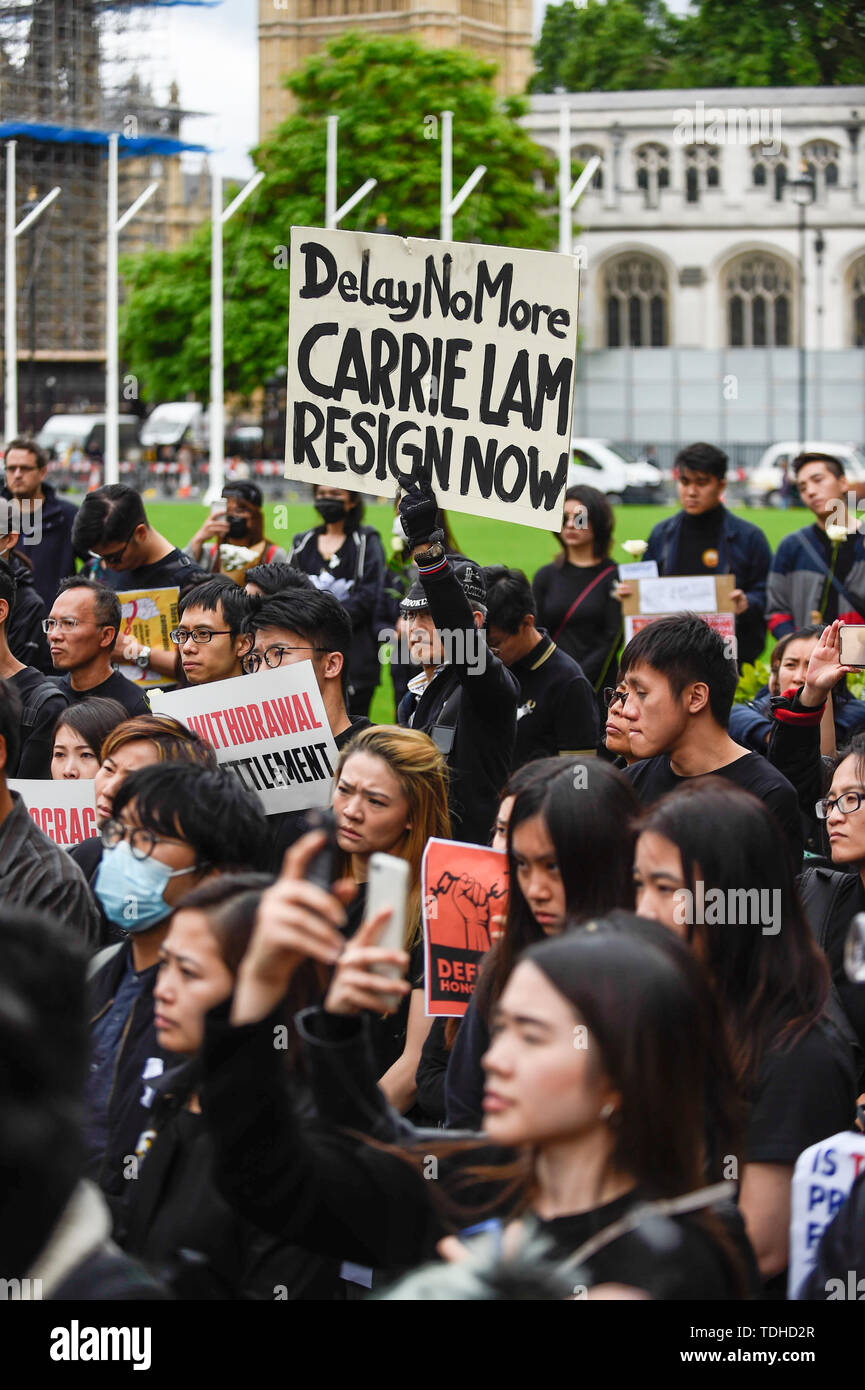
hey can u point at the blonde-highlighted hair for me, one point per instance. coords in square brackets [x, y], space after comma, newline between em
[422, 773]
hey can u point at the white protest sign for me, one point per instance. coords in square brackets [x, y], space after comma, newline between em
[65, 810]
[691, 593]
[455, 362]
[270, 729]
[822, 1179]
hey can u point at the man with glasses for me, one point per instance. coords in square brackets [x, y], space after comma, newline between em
[34, 872]
[49, 518]
[174, 825]
[82, 630]
[304, 625]
[112, 527]
[557, 713]
[210, 638]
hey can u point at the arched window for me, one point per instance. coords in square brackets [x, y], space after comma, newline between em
[822, 159]
[759, 295]
[582, 154]
[857, 290]
[652, 170]
[702, 170]
[636, 299]
[769, 168]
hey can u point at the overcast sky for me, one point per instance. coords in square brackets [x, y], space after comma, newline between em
[212, 54]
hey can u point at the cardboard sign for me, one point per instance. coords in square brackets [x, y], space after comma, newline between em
[463, 887]
[410, 358]
[65, 810]
[270, 729]
[148, 615]
[706, 595]
[822, 1179]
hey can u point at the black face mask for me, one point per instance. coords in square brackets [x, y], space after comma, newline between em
[331, 509]
[238, 526]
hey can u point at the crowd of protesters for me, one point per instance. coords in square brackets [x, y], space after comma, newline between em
[217, 1083]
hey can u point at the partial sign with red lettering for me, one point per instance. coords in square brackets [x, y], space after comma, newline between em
[65, 811]
[270, 729]
[465, 891]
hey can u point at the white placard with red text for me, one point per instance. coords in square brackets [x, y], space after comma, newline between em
[65, 810]
[270, 729]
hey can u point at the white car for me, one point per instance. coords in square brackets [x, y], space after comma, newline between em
[764, 486]
[594, 463]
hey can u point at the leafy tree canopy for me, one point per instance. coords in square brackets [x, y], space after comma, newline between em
[389, 94]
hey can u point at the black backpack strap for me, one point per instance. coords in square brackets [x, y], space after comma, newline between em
[37, 701]
[442, 731]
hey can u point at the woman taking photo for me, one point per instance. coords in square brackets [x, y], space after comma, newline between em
[569, 858]
[174, 1220]
[79, 735]
[390, 797]
[580, 1125]
[711, 864]
[574, 593]
[347, 559]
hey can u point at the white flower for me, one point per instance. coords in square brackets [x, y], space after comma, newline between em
[837, 534]
[635, 548]
[397, 545]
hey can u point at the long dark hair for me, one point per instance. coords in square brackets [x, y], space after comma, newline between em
[354, 513]
[587, 808]
[93, 720]
[771, 987]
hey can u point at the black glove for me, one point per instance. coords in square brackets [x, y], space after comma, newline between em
[418, 510]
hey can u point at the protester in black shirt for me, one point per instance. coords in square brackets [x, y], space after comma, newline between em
[706, 538]
[82, 628]
[79, 734]
[711, 866]
[464, 698]
[172, 827]
[41, 701]
[48, 518]
[174, 1219]
[128, 554]
[210, 637]
[574, 594]
[681, 680]
[569, 847]
[557, 713]
[594, 1125]
[346, 559]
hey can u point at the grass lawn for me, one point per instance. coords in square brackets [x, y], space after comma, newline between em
[486, 541]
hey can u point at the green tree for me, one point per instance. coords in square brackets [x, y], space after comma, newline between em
[605, 46]
[389, 94]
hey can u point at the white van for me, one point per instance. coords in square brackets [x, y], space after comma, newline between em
[764, 487]
[594, 463]
[62, 433]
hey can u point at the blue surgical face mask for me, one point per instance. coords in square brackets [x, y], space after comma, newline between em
[130, 890]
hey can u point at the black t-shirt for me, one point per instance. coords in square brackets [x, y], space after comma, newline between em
[669, 1258]
[699, 539]
[653, 777]
[116, 687]
[803, 1094]
[37, 730]
[174, 570]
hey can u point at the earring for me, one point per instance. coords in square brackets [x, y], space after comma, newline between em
[607, 1110]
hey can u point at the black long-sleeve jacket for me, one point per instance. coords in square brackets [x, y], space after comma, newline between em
[479, 697]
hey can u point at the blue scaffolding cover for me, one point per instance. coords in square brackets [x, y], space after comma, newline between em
[127, 145]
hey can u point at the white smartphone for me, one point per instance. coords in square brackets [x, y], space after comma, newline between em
[852, 644]
[388, 886]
